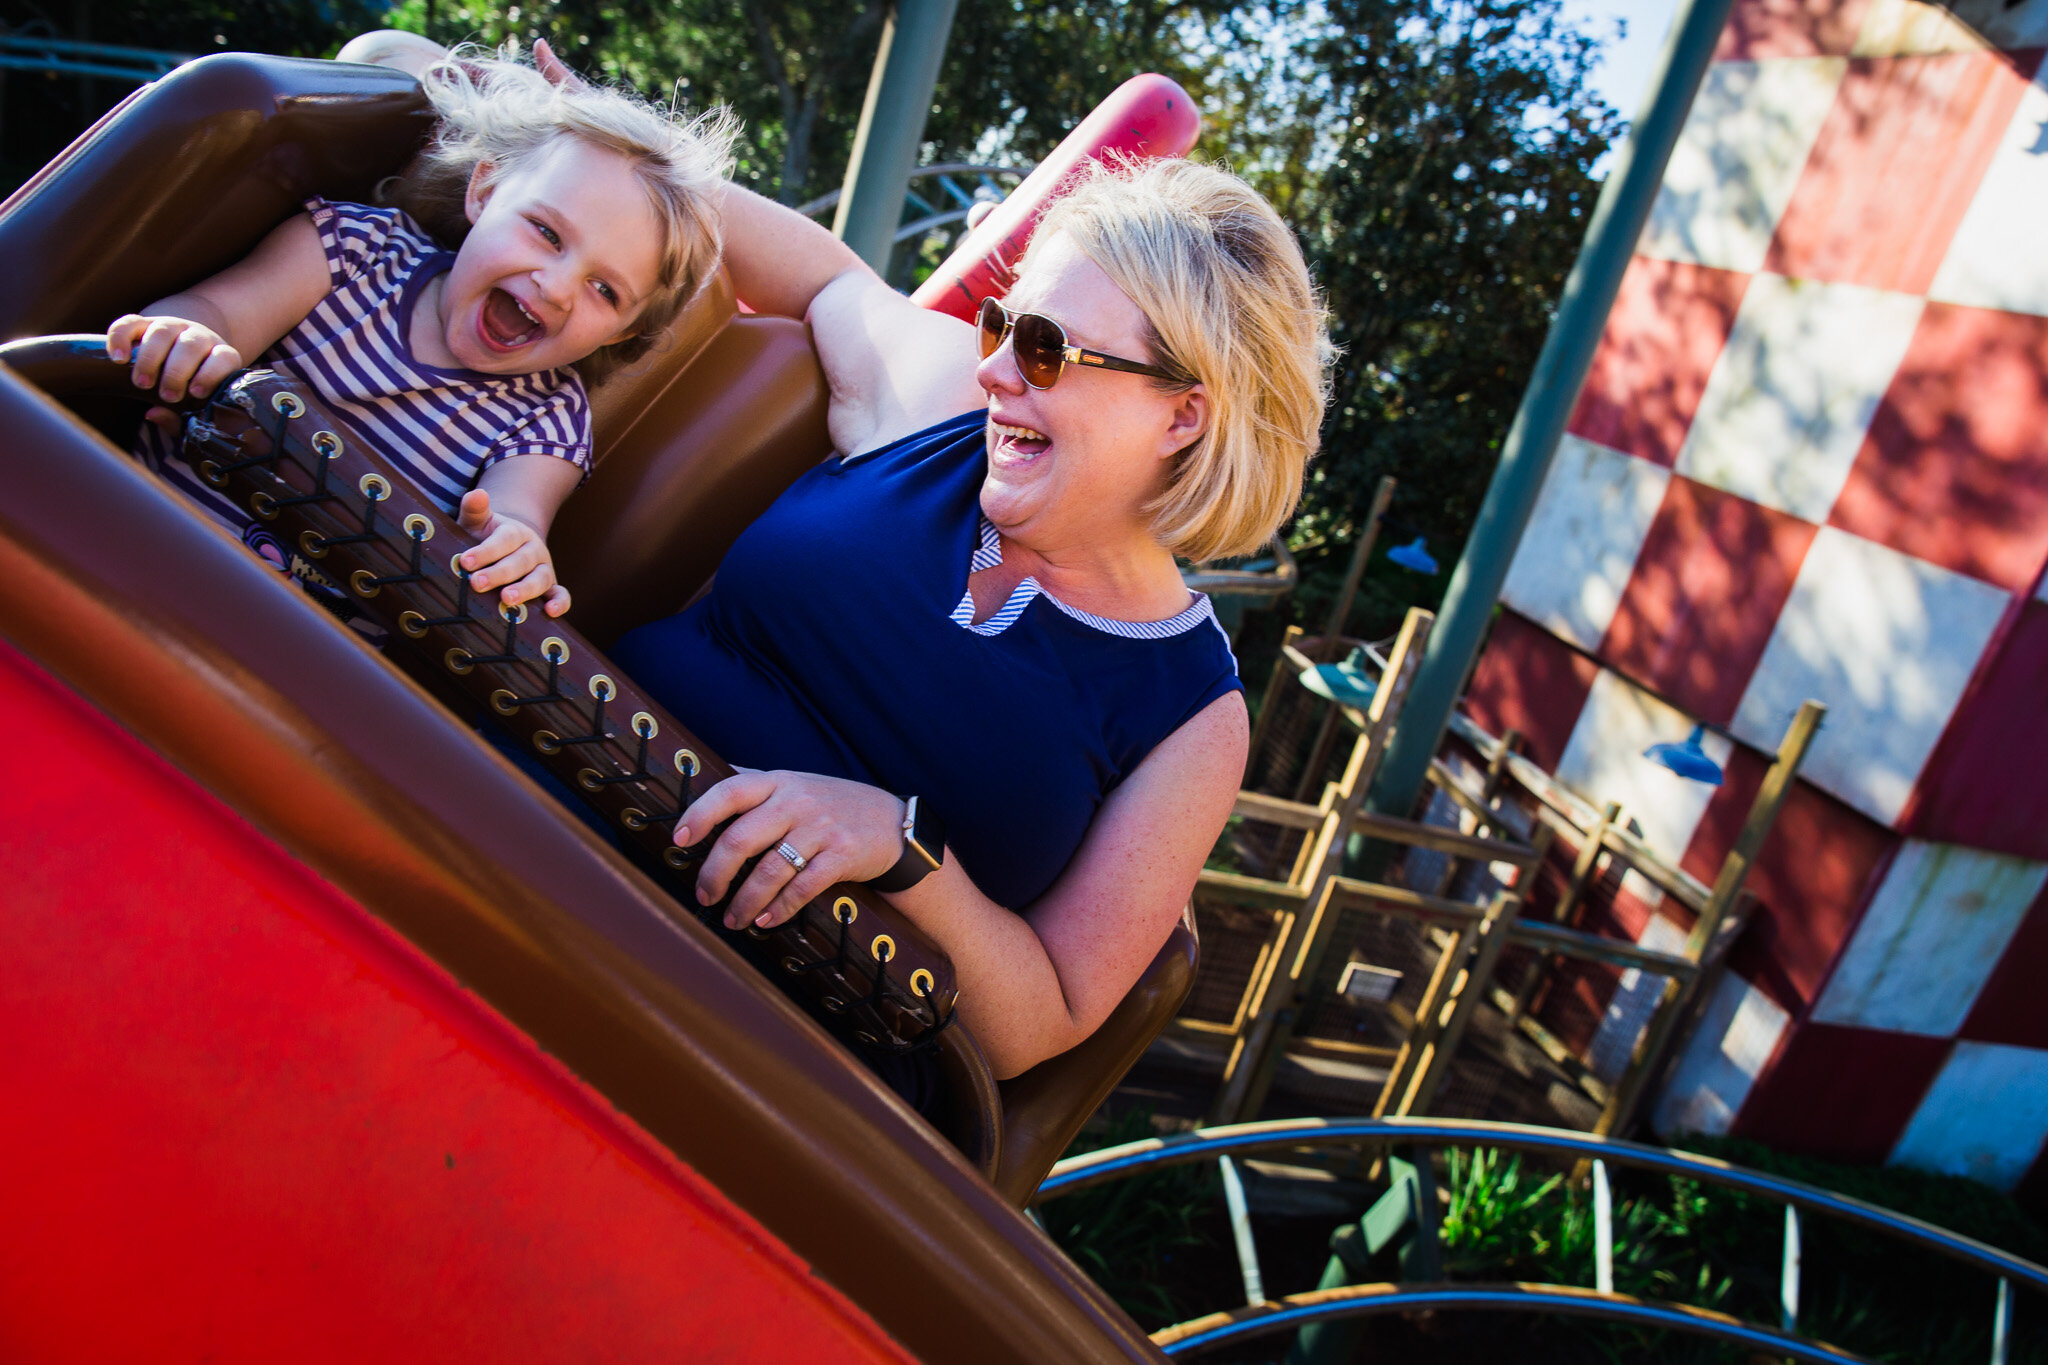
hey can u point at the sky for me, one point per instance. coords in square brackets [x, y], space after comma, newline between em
[1623, 76]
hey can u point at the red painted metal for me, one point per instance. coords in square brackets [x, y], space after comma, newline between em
[1147, 116]
[248, 1122]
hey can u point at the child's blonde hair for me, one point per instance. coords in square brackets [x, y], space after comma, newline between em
[500, 114]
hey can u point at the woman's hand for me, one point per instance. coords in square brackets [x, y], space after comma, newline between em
[845, 831]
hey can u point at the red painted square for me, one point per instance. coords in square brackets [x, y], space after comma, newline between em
[1895, 167]
[1811, 879]
[1700, 605]
[1529, 680]
[1955, 468]
[1986, 784]
[1844, 1093]
[1790, 28]
[1666, 330]
[2008, 1009]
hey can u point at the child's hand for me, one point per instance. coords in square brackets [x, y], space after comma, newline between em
[512, 555]
[174, 356]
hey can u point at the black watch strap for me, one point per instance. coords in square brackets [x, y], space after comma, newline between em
[924, 848]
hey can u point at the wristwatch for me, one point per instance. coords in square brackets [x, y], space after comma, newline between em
[924, 848]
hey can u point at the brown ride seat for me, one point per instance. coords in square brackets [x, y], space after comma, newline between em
[692, 443]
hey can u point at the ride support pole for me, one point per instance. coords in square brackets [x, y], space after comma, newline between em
[892, 127]
[1589, 293]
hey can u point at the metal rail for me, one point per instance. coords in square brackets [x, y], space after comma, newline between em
[1370, 1300]
[1114, 1163]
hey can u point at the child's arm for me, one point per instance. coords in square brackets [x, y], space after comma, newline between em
[512, 507]
[191, 341]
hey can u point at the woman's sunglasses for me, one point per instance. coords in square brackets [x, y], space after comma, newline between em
[1042, 350]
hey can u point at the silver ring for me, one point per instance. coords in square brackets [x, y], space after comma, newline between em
[796, 859]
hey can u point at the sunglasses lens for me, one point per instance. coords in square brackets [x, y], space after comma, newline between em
[991, 326]
[1040, 349]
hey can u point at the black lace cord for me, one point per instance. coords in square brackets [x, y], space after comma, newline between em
[665, 817]
[640, 772]
[554, 691]
[926, 1039]
[838, 959]
[276, 449]
[461, 616]
[369, 535]
[598, 734]
[413, 572]
[508, 653]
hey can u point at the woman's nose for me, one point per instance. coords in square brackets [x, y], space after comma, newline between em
[998, 370]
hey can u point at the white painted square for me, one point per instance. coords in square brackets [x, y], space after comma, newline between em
[1634, 1000]
[1738, 1032]
[1995, 259]
[1588, 525]
[1897, 28]
[1984, 1117]
[1790, 399]
[1738, 160]
[1929, 939]
[1887, 642]
[1603, 761]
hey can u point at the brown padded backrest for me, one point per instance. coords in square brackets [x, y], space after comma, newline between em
[1044, 1108]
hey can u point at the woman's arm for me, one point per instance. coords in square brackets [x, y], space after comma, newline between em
[893, 368]
[1031, 985]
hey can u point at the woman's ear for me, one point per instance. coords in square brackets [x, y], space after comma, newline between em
[1191, 418]
[482, 181]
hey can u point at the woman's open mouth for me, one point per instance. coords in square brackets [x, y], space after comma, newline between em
[505, 323]
[1019, 442]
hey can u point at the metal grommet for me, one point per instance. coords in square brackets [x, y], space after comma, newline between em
[289, 404]
[457, 660]
[883, 942]
[675, 857]
[373, 487]
[602, 687]
[455, 563]
[547, 741]
[211, 472]
[418, 527]
[755, 931]
[412, 623]
[686, 763]
[514, 615]
[792, 965]
[921, 984]
[645, 726]
[362, 580]
[327, 444]
[590, 779]
[555, 649]
[502, 701]
[263, 505]
[633, 818]
[315, 545]
[833, 1004]
[846, 909]
[868, 1038]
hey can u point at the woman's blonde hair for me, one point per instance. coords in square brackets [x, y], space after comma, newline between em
[1229, 302]
[501, 114]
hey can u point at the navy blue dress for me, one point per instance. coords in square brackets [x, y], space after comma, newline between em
[839, 639]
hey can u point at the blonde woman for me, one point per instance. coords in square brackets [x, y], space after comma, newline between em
[976, 604]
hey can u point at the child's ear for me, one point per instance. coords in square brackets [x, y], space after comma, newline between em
[482, 181]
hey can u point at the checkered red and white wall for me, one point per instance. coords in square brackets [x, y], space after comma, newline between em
[1811, 460]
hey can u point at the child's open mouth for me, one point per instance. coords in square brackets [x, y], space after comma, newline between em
[506, 323]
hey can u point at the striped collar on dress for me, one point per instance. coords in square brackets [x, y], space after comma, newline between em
[989, 553]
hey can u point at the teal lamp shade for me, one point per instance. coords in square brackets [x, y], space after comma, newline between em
[1688, 760]
[1414, 555]
[1347, 683]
